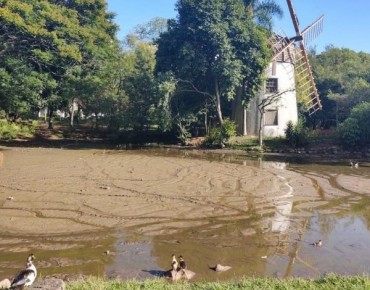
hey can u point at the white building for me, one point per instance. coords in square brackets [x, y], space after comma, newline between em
[280, 95]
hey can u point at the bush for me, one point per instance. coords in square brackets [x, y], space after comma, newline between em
[350, 133]
[220, 135]
[11, 130]
[296, 135]
[354, 132]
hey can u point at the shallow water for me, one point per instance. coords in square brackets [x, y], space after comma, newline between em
[265, 236]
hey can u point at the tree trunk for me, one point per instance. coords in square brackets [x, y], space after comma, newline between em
[206, 123]
[260, 131]
[50, 115]
[96, 120]
[78, 114]
[239, 113]
[71, 113]
[218, 103]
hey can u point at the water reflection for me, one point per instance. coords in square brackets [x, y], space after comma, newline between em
[269, 234]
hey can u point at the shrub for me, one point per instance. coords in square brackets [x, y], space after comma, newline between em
[350, 133]
[296, 135]
[354, 132]
[16, 130]
[220, 135]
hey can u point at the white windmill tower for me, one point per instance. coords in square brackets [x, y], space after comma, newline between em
[288, 75]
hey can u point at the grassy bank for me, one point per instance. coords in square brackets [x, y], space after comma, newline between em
[328, 282]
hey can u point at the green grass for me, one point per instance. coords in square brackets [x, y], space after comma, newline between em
[315, 139]
[328, 282]
[251, 143]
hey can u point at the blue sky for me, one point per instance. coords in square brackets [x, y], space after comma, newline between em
[346, 23]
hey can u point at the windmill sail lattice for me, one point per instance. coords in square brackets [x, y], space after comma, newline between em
[305, 83]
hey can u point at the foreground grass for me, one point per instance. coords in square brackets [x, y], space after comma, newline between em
[328, 282]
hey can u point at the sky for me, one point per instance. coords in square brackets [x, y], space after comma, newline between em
[346, 23]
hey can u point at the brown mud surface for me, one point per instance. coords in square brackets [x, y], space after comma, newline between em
[71, 206]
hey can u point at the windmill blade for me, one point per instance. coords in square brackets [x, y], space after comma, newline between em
[305, 82]
[313, 30]
[279, 44]
[306, 87]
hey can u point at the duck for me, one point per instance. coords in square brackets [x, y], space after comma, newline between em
[355, 165]
[318, 243]
[174, 263]
[182, 263]
[27, 276]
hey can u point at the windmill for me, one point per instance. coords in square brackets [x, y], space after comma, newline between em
[305, 83]
[289, 74]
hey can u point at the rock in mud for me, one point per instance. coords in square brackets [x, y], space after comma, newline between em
[48, 284]
[5, 284]
[220, 268]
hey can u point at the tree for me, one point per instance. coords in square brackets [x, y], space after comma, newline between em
[212, 48]
[151, 30]
[355, 130]
[263, 11]
[343, 80]
[50, 37]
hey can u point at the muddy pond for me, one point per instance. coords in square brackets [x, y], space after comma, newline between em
[119, 213]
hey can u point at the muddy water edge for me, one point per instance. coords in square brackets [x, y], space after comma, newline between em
[123, 213]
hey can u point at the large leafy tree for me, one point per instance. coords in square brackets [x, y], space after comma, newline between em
[212, 48]
[53, 36]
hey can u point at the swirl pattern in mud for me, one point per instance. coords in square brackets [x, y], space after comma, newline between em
[60, 191]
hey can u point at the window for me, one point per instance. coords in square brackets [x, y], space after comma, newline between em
[271, 118]
[271, 86]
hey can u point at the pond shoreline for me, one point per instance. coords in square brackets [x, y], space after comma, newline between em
[316, 153]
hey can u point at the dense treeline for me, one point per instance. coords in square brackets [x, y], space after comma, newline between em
[179, 75]
[343, 81]
[59, 54]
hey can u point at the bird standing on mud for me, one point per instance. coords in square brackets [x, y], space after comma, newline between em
[174, 263]
[27, 276]
[182, 263]
[355, 165]
[318, 243]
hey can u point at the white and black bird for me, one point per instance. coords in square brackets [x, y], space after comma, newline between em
[317, 244]
[174, 263]
[27, 276]
[355, 165]
[182, 262]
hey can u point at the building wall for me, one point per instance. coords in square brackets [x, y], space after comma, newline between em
[286, 106]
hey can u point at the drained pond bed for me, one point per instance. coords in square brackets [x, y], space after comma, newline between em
[123, 213]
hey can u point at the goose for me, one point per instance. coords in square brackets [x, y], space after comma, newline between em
[182, 262]
[27, 276]
[355, 165]
[318, 243]
[174, 263]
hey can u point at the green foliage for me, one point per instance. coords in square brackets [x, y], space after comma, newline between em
[212, 48]
[10, 130]
[296, 135]
[329, 282]
[355, 131]
[42, 41]
[343, 80]
[220, 135]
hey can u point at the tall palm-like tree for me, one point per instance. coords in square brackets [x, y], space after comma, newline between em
[263, 11]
